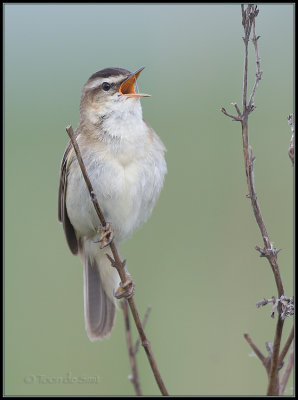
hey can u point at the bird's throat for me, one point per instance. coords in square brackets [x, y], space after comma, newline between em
[124, 121]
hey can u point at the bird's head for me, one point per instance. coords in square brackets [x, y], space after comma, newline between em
[111, 90]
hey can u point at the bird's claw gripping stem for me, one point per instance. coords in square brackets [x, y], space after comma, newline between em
[126, 289]
[106, 235]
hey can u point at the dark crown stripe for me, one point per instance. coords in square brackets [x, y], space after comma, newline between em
[109, 72]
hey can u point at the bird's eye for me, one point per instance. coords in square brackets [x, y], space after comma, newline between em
[106, 86]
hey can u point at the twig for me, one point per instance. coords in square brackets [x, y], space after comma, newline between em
[264, 302]
[286, 305]
[287, 372]
[273, 386]
[132, 351]
[287, 345]
[291, 150]
[265, 360]
[145, 319]
[234, 118]
[259, 72]
[133, 364]
[249, 15]
[120, 266]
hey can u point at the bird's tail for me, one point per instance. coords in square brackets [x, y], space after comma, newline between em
[100, 279]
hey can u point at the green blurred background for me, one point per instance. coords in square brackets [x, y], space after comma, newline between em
[194, 261]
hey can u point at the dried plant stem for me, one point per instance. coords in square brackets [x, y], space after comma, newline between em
[273, 386]
[265, 361]
[287, 345]
[132, 359]
[271, 363]
[132, 350]
[269, 252]
[291, 150]
[263, 302]
[287, 372]
[120, 266]
[145, 319]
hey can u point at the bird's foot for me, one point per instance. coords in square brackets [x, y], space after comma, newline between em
[126, 289]
[106, 235]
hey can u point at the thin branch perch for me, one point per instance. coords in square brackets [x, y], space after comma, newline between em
[287, 345]
[287, 372]
[286, 305]
[133, 364]
[145, 319]
[265, 361]
[119, 264]
[132, 351]
[291, 150]
[272, 362]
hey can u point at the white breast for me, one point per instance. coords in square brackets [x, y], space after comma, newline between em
[127, 175]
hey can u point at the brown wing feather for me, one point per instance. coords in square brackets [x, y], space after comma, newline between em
[154, 136]
[62, 211]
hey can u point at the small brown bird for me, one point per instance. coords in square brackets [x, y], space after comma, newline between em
[124, 159]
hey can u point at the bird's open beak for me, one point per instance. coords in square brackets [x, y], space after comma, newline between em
[127, 87]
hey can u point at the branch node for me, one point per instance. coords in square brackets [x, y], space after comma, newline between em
[259, 74]
[285, 306]
[261, 250]
[269, 347]
[137, 344]
[252, 196]
[146, 343]
[267, 252]
[274, 307]
[233, 117]
[237, 109]
[112, 261]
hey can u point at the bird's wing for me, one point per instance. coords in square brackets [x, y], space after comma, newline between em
[153, 135]
[62, 211]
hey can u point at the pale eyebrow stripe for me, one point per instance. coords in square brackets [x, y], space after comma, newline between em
[97, 82]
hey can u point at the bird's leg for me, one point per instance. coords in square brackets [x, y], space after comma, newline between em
[126, 289]
[106, 235]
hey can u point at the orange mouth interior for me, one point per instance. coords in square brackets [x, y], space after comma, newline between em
[127, 87]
